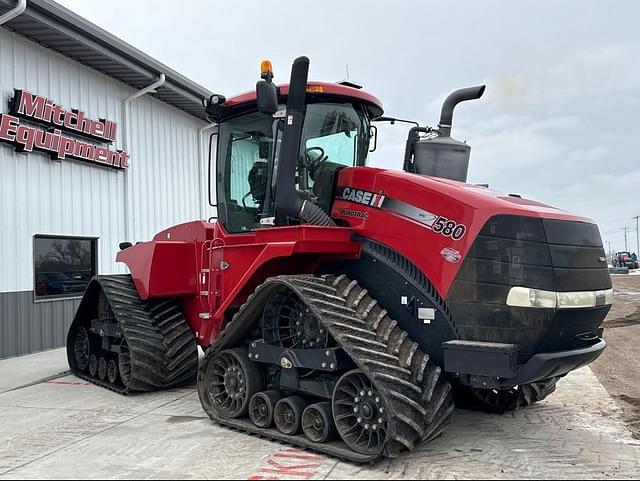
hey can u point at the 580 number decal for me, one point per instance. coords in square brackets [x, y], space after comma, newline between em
[449, 228]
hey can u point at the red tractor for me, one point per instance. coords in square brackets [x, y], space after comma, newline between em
[345, 308]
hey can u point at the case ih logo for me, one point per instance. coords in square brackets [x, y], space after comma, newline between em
[361, 196]
[39, 109]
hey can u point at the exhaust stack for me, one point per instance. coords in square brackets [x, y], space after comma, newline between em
[450, 103]
[442, 156]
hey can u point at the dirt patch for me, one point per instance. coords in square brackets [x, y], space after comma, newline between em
[631, 407]
[630, 320]
[617, 369]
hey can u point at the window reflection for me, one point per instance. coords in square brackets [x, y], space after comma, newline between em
[63, 266]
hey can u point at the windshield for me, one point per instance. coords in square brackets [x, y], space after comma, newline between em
[334, 136]
[340, 130]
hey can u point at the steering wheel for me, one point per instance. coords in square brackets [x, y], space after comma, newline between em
[313, 157]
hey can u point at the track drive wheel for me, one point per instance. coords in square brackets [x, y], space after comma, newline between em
[317, 423]
[288, 415]
[262, 407]
[230, 382]
[359, 413]
[288, 323]
[501, 401]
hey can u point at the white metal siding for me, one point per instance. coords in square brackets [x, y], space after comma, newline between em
[40, 196]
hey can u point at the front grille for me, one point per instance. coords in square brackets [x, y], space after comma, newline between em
[543, 254]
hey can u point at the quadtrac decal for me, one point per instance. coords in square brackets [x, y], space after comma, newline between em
[439, 224]
[360, 214]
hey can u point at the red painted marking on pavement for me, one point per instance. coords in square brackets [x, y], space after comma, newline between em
[297, 465]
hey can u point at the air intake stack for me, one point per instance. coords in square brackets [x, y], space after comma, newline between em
[442, 156]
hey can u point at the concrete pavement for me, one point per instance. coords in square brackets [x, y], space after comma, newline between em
[21, 371]
[67, 429]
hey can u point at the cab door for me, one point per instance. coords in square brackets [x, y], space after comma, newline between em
[244, 172]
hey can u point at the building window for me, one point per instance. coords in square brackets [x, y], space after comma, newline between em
[63, 266]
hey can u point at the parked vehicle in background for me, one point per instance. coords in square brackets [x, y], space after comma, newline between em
[625, 259]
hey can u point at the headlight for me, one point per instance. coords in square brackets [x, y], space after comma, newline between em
[526, 297]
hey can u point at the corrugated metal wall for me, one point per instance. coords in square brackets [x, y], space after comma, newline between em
[40, 196]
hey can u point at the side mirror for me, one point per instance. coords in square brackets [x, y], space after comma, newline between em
[267, 97]
[214, 107]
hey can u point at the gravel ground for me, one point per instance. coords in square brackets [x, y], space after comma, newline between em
[618, 368]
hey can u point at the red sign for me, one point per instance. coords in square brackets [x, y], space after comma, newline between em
[54, 140]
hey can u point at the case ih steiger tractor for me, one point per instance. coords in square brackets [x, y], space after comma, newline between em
[345, 308]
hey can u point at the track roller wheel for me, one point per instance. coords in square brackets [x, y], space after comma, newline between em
[262, 407]
[93, 365]
[317, 423]
[112, 371]
[288, 415]
[231, 380]
[359, 413]
[102, 368]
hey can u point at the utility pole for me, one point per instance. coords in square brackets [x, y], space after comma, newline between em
[637, 218]
[626, 245]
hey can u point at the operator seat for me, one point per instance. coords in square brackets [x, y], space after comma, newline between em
[324, 184]
[258, 178]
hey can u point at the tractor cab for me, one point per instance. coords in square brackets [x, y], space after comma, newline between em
[335, 132]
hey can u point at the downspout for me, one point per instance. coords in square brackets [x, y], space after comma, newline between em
[201, 162]
[14, 12]
[126, 147]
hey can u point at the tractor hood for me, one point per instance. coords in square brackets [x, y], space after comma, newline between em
[478, 197]
[423, 191]
[428, 219]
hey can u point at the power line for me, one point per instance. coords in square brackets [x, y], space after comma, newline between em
[637, 218]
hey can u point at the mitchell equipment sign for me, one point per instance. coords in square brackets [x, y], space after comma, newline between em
[54, 141]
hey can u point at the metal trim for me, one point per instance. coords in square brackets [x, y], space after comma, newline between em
[63, 31]
[16, 12]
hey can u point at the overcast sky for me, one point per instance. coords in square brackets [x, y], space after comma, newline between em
[558, 123]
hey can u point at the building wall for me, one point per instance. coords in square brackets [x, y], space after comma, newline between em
[41, 196]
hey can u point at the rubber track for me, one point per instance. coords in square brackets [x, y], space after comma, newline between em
[412, 386]
[162, 346]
